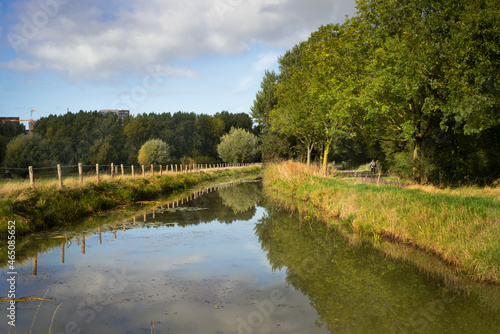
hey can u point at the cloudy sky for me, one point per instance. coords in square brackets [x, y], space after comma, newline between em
[200, 56]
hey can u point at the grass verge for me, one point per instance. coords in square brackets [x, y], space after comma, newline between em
[48, 206]
[460, 226]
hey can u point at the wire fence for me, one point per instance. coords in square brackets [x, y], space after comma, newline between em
[98, 172]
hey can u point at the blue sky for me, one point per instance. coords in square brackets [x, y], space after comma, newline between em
[201, 56]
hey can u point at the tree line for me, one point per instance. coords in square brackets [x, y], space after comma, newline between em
[92, 137]
[413, 84]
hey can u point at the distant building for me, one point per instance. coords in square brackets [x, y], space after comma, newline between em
[120, 113]
[13, 120]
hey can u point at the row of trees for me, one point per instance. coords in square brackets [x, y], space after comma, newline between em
[414, 84]
[92, 137]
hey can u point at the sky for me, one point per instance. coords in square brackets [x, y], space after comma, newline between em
[201, 56]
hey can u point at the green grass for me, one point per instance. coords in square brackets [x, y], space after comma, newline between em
[47, 206]
[460, 226]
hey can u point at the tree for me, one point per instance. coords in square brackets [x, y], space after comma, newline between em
[8, 131]
[434, 67]
[331, 65]
[154, 151]
[238, 146]
[292, 114]
[24, 151]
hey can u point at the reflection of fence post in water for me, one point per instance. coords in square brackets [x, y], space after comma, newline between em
[83, 244]
[100, 235]
[144, 216]
[114, 234]
[35, 265]
[62, 251]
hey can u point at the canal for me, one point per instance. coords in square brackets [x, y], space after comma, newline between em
[221, 260]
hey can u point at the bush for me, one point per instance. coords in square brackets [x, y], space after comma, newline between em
[154, 151]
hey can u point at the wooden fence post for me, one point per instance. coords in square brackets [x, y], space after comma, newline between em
[133, 173]
[123, 172]
[59, 174]
[32, 177]
[80, 172]
[97, 172]
[176, 168]
[161, 170]
[143, 171]
[112, 170]
[152, 170]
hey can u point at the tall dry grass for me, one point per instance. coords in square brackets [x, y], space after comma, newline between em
[461, 226]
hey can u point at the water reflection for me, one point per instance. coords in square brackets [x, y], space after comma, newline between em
[219, 261]
[194, 268]
[359, 290]
[197, 207]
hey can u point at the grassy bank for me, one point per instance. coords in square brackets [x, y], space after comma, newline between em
[48, 206]
[460, 226]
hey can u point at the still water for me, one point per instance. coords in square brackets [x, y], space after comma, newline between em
[222, 261]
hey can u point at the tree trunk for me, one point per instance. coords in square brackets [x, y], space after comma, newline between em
[326, 150]
[417, 155]
[309, 151]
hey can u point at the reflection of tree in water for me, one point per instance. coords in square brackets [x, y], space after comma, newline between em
[359, 290]
[242, 197]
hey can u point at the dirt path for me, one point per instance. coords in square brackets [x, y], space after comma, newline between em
[366, 177]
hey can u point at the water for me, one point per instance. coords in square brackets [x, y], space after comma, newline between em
[224, 262]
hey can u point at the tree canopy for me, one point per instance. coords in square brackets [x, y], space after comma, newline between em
[90, 137]
[413, 84]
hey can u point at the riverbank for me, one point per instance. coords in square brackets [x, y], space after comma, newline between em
[459, 226]
[48, 206]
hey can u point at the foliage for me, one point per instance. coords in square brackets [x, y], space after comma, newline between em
[238, 146]
[8, 131]
[92, 137]
[154, 151]
[27, 150]
[401, 78]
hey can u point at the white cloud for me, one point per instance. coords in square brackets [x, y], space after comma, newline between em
[96, 38]
[21, 65]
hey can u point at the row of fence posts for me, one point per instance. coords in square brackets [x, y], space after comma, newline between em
[114, 170]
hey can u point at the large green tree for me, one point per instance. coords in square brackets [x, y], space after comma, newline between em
[432, 65]
[27, 150]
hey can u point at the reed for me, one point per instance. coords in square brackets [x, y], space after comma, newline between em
[460, 226]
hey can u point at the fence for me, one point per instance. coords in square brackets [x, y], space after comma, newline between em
[112, 171]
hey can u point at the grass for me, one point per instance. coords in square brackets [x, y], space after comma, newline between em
[460, 226]
[47, 206]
